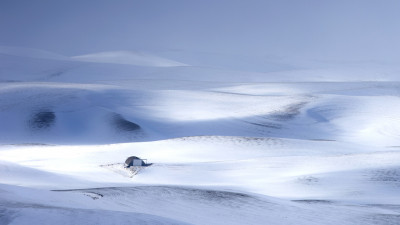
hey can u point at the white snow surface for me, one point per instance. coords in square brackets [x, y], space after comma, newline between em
[291, 143]
[130, 58]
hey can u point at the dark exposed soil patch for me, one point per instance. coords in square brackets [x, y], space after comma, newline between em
[42, 120]
[124, 125]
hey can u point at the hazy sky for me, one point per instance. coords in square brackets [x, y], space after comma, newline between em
[349, 29]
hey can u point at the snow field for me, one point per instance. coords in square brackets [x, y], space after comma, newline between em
[276, 145]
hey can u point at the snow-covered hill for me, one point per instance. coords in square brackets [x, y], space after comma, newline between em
[285, 146]
[247, 112]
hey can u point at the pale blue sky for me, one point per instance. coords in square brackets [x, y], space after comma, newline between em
[349, 29]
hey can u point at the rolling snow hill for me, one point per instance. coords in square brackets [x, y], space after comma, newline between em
[283, 143]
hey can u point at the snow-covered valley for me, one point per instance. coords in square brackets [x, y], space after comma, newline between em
[261, 152]
[199, 112]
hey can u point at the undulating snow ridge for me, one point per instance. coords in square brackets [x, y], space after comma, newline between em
[130, 58]
[289, 144]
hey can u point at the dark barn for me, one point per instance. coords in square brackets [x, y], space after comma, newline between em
[135, 161]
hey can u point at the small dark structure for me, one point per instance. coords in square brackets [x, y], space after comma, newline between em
[135, 161]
